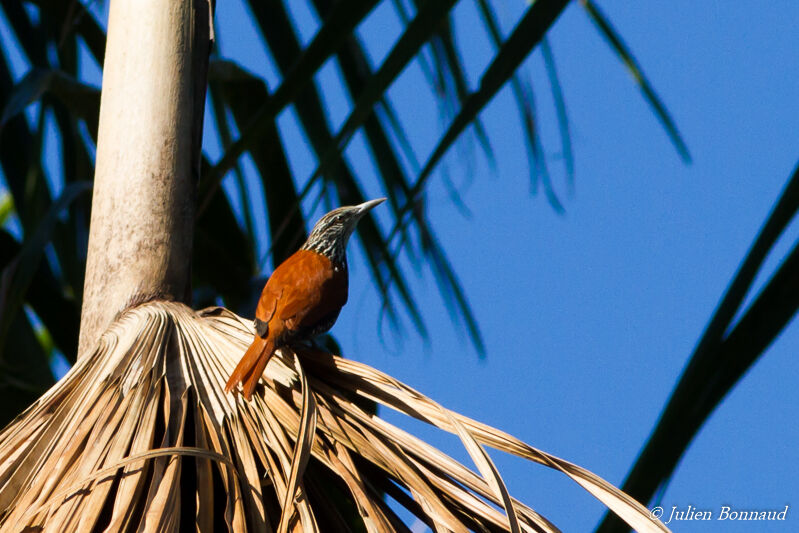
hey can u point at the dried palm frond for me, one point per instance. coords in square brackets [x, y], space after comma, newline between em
[140, 436]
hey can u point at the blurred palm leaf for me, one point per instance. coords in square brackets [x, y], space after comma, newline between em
[141, 432]
[723, 355]
[83, 100]
[617, 44]
[49, 87]
[525, 36]
[21, 270]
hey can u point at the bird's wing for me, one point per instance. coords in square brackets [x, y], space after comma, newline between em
[267, 303]
[315, 292]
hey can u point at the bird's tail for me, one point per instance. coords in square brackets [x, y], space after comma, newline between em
[251, 366]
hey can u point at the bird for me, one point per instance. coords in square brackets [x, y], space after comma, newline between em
[303, 296]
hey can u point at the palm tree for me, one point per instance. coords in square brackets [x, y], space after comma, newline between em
[243, 111]
[53, 36]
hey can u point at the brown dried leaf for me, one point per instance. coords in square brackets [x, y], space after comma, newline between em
[139, 435]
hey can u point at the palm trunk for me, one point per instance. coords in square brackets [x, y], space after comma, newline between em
[148, 156]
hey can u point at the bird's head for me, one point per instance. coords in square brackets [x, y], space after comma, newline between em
[330, 234]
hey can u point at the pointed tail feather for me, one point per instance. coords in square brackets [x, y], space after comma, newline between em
[251, 380]
[251, 366]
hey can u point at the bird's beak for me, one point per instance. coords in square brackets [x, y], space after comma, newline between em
[366, 206]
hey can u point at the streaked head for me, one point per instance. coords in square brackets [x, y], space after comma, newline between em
[330, 234]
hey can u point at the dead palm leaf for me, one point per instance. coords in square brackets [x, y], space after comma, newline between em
[139, 435]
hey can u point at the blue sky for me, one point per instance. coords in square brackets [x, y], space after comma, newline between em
[590, 316]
